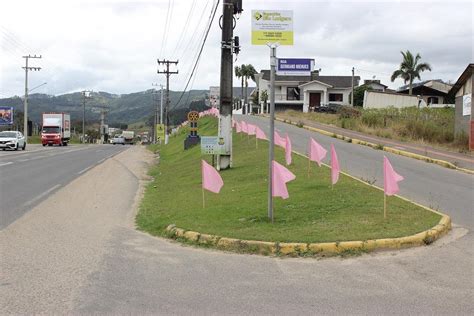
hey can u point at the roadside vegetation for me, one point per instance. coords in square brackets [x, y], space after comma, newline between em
[430, 126]
[313, 213]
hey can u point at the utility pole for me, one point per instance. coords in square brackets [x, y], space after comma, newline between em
[85, 95]
[167, 72]
[25, 114]
[160, 113]
[352, 94]
[229, 45]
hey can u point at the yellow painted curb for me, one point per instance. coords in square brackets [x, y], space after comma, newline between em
[392, 150]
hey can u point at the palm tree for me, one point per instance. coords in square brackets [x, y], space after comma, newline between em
[264, 98]
[410, 69]
[238, 74]
[247, 71]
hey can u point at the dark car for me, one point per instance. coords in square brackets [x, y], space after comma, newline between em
[328, 108]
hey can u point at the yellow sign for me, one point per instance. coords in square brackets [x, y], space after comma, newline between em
[160, 131]
[272, 27]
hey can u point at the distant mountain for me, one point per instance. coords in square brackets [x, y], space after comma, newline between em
[124, 108]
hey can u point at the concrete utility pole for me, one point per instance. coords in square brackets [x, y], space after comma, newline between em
[352, 94]
[160, 113]
[230, 7]
[25, 114]
[168, 73]
[155, 116]
[84, 97]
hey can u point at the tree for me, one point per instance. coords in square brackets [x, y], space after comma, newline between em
[247, 71]
[410, 69]
[264, 98]
[238, 74]
[359, 94]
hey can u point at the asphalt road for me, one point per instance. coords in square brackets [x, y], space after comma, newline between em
[446, 190]
[77, 255]
[28, 177]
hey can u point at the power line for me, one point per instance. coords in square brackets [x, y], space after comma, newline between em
[195, 30]
[200, 52]
[164, 28]
[186, 24]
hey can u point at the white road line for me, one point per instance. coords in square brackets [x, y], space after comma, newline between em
[6, 163]
[84, 170]
[23, 160]
[30, 202]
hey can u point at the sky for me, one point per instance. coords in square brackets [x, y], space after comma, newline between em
[113, 46]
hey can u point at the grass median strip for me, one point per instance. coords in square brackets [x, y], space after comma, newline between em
[313, 213]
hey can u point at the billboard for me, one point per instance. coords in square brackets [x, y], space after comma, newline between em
[272, 26]
[295, 66]
[6, 115]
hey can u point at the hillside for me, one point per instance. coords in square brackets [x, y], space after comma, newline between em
[125, 108]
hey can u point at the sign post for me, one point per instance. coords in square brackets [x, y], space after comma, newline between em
[272, 28]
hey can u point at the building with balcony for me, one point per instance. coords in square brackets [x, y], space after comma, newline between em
[306, 93]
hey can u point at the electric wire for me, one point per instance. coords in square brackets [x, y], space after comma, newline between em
[199, 56]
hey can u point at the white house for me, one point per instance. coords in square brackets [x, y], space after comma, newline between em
[307, 92]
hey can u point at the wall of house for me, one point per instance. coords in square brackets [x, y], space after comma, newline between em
[374, 99]
[345, 95]
[462, 122]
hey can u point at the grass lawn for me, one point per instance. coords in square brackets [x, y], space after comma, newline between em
[313, 213]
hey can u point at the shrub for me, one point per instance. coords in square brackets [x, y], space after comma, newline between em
[348, 112]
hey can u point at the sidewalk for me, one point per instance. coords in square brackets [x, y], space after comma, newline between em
[459, 159]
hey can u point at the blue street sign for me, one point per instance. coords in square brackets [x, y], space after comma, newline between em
[295, 66]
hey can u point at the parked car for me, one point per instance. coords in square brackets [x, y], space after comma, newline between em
[12, 140]
[328, 108]
[118, 140]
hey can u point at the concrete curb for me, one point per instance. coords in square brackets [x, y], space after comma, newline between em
[310, 249]
[392, 150]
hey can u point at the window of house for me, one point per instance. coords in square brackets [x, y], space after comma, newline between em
[433, 100]
[335, 97]
[293, 93]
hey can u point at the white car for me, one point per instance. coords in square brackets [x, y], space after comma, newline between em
[12, 140]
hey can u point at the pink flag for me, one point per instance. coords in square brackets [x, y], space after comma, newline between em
[251, 129]
[288, 150]
[259, 133]
[390, 178]
[238, 128]
[316, 152]
[334, 166]
[211, 179]
[244, 127]
[279, 141]
[281, 176]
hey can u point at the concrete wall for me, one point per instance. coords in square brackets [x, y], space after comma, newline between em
[462, 122]
[374, 99]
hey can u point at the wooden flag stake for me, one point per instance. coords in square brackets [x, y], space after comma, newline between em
[384, 206]
[203, 201]
[256, 142]
[309, 166]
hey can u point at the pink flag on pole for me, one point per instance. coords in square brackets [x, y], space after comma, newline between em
[390, 178]
[281, 176]
[211, 179]
[238, 128]
[279, 141]
[244, 127]
[259, 133]
[334, 166]
[288, 150]
[251, 129]
[316, 152]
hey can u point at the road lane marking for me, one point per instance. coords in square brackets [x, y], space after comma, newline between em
[84, 170]
[6, 163]
[33, 200]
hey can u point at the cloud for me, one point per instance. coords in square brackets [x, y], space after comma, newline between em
[113, 45]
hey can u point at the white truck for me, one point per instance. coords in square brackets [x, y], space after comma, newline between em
[56, 129]
[128, 137]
